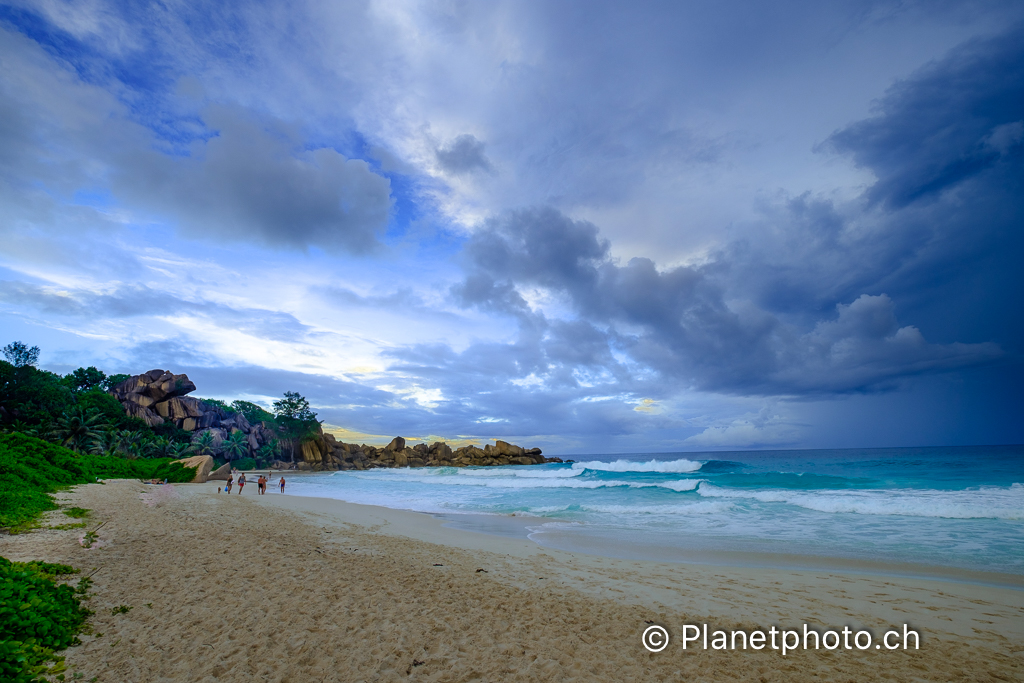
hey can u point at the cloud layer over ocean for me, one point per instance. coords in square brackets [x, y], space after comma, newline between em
[593, 227]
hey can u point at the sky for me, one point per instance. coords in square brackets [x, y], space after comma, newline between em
[592, 227]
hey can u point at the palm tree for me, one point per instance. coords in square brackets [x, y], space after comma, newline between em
[128, 443]
[161, 447]
[265, 454]
[39, 431]
[105, 443]
[203, 444]
[181, 450]
[236, 445]
[76, 428]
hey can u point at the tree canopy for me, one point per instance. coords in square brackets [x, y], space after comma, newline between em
[20, 355]
[295, 416]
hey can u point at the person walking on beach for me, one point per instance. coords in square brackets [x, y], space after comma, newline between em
[282, 484]
[231, 479]
[241, 483]
[261, 485]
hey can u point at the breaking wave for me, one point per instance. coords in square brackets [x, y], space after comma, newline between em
[662, 466]
[987, 502]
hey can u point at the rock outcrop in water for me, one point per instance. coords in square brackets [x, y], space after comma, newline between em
[158, 396]
[327, 453]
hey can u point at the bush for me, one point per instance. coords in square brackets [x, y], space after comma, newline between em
[31, 468]
[110, 408]
[244, 464]
[37, 617]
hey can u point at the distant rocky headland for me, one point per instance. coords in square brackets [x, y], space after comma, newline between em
[159, 396]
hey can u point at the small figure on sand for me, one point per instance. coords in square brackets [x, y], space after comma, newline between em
[261, 485]
[241, 482]
[282, 484]
[231, 480]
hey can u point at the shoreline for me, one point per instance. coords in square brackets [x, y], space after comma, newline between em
[430, 528]
[515, 526]
[285, 588]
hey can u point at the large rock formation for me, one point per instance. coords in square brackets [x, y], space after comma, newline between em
[158, 396]
[149, 395]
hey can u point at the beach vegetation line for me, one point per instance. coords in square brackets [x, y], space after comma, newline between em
[31, 469]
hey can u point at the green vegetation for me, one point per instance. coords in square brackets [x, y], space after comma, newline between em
[244, 464]
[235, 446]
[31, 469]
[220, 404]
[252, 412]
[120, 609]
[89, 538]
[76, 411]
[19, 355]
[38, 616]
[295, 417]
[77, 513]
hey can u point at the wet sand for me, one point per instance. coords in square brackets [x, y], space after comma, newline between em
[284, 588]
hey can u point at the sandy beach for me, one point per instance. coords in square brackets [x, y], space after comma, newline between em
[285, 588]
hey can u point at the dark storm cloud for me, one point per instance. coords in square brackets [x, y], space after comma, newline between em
[951, 121]
[254, 181]
[679, 321]
[939, 230]
[464, 154]
[127, 301]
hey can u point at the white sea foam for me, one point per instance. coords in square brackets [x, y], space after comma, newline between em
[663, 466]
[521, 472]
[624, 512]
[698, 508]
[988, 502]
[496, 482]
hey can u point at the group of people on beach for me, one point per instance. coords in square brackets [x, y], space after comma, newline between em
[261, 483]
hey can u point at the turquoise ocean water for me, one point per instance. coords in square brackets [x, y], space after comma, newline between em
[948, 507]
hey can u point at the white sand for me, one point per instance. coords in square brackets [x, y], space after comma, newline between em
[283, 588]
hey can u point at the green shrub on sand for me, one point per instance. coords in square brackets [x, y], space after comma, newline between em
[244, 464]
[31, 469]
[37, 618]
